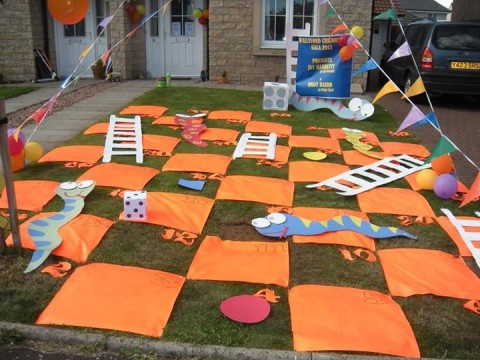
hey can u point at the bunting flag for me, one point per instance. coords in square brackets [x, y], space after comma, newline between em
[105, 21]
[66, 82]
[320, 2]
[414, 116]
[388, 88]
[430, 118]
[52, 101]
[403, 50]
[341, 27]
[330, 12]
[443, 146]
[85, 52]
[387, 15]
[39, 115]
[416, 89]
[165, 7]
[368, 65]
[473, 193]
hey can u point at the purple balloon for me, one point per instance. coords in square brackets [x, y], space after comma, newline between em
[445, 186]
[350, 40]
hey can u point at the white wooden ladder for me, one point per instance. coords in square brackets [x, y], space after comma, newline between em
[256, 145]
[370, 176]
[124, 137]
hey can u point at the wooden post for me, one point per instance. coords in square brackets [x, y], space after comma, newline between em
[7, 171]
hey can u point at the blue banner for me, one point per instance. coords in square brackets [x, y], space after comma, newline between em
[320, 70]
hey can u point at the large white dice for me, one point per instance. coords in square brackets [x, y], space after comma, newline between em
[135, 205]
[275, 96]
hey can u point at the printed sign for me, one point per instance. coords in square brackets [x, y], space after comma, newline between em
[320, 70]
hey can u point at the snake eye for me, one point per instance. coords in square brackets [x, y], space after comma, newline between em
[260, 223]
[69, 185]
[277, 218]
[367, 110]
[355, 104]
[85, 184]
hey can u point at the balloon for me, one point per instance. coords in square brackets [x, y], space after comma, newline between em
[33, 151]
[131, 9]
[140, 9]
[357, 31]
[426, 178]
[205, 14]
[442, 164]
[197, 13]
[135, 17]
[202, 20]
[68, 12]
[346, 53]
[350, 40]
[445, 186]
[15, 146]
[17, 162]
[342, 40]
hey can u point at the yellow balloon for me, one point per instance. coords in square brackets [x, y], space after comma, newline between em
[197, 13]
[141, 9]
[426, 178]
[33, 151]
[357, 31]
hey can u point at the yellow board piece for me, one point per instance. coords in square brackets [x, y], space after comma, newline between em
[356, 220]
[314, 155]
[338, 220]
[393, 229]
[305, 222]
[375, 227]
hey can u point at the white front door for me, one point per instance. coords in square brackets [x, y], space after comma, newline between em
[72, 40]
[175, 40]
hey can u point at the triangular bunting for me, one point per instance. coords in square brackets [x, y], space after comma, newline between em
[443, 146]
[414, 116]
[403, 50]
[85, 52]
[474, 191]
[368, 65]
[39, 115]
[339, 28]
[430, 118]
[106, 21]
[320, 2]
[388, 88]
[416, 89]
[387, 15]
[330, 12]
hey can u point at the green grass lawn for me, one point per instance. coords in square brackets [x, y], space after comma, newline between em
[442, 326]
[8, 92]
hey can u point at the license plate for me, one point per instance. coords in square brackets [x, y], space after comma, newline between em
[463, 65]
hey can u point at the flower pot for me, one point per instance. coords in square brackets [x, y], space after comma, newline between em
[222, 80]
[98, 72]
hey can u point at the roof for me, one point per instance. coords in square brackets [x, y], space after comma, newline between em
[380, 6]
[430, 6]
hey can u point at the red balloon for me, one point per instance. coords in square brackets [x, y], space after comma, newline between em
[202, 20]
[68, 12]
[342, 40]
[346, 53]
[131, 9]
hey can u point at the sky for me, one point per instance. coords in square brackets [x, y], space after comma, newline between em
[445, 3]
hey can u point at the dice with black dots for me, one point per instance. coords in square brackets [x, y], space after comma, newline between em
[275, 96]
[135, 205]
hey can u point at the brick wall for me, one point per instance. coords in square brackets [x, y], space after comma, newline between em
[231, 34]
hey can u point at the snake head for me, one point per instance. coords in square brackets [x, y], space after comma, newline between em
[272, 225]
[361, 109]
[73, 189]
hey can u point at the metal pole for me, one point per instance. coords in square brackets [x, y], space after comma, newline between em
[7, 171]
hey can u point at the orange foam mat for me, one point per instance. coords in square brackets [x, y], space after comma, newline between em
[423, 271]
[338, 133]
[165, 120]
[184, 212]
[230, 115]
[209, 163]
[353, 157]
[159, 142]
[452, 231]
[400, 148]
[268, 127]
[81, 153]
[347, 237]
[247, 261]
[313, 171]
[329, 318]
[282, 153]
[114, 297]
[31, 195]
[259, 189]
[130, 177]
[98, 128]
[395, 201]
[316, 142]
[145, 110]
[412, 181]
[219, 134]
[79, 236]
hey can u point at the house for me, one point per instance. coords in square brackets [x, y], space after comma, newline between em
[430, 9]
[245, 38]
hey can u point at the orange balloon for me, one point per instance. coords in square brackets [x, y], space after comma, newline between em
[68, 12]
[17, 162]
[346, 53]
[443, 164]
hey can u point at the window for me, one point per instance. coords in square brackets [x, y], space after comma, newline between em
[276, 14]
[154, 21]
[75, 30]
[183, 22]
[100, 14]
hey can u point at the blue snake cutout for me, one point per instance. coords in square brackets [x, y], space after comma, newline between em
[281, 225]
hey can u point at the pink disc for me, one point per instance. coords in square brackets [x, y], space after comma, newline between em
[248, 309]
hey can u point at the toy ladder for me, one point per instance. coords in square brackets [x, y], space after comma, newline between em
[256, 145]
[370, 176]
[466, 229]
[124, 137]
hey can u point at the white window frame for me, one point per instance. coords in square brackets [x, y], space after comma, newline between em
[275, 44]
